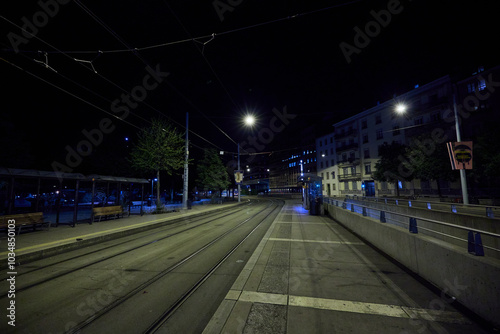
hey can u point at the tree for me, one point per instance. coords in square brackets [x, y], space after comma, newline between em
[428, 160]
[212, 174]
[391, 166]
[485, 162]
[159, 148]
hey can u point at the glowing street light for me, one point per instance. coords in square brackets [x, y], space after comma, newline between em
[401, 108]
[249, 120]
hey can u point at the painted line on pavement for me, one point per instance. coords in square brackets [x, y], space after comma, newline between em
[318, 241]
[395, 311]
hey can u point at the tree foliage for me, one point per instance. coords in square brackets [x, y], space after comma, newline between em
[423, 159]
[390, 167]
[486, 160]
[212, 174]
[428, 160]
[159, 148]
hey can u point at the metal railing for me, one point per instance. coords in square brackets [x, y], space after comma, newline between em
[490, 211]
[456, 235]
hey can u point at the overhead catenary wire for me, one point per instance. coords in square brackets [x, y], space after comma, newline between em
[68, 92]
[121, 40]
[135, 50]
[196, 39]
[213, 72]
[45, 64]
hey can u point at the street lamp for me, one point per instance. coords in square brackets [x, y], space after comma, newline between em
[400, 108]
[249, 120]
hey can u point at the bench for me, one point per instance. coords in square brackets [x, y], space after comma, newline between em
[114, 211]
[24, 219]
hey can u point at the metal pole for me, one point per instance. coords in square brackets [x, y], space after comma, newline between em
[463, 179]
[75, 209]
[186, 170]
[239, 186]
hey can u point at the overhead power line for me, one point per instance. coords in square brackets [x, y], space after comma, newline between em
[193, 39]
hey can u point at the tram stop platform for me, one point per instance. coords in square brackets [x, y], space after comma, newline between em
[33, 245]
[311, 275]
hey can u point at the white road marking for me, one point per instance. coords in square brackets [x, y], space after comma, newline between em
[318, 241]
[396, 311]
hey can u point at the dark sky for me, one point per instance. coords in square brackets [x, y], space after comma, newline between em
[263, 56]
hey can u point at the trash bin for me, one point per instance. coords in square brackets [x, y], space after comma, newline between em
[315, 207]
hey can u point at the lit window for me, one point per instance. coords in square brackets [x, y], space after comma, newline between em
[482, 85]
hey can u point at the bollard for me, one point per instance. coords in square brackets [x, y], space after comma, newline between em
[344, 205]
[382, 217]
[475, 244]
[364, 211]
[489, 212]
[352, 207]
[478, 245]
[413, 225]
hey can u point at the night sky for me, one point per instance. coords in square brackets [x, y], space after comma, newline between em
[262, 56]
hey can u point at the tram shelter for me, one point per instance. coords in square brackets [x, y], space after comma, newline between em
[65, 198]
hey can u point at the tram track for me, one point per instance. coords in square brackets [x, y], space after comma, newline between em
[213, 217]
[233, 228]
[170, 310]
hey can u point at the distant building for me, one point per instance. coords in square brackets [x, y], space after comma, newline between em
[287, 165]
[346, 157]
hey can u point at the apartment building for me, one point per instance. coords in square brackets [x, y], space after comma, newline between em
[346, 157]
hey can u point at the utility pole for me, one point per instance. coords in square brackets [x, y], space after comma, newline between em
[186, 168]
[463, 179]
[239, 169]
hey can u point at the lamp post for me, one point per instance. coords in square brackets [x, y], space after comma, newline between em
[249, 121]
[463, 179]
[401, 109]
[239, 183]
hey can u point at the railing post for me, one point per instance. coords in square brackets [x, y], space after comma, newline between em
[429, 205]
[352, 207]
[409, 203]
[364, 211]
[453, 208]
[382, 217]
[470, 242]
[397, 202]
[475, 244]
[413, 225]
[489, 212]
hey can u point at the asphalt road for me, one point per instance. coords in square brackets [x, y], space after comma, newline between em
[166, 280]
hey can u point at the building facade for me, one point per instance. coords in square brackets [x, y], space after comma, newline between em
[346, 157]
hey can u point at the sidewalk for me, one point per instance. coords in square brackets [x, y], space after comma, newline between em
[41, 243]
[310, 275]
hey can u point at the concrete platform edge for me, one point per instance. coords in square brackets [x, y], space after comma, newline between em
[77, 244]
